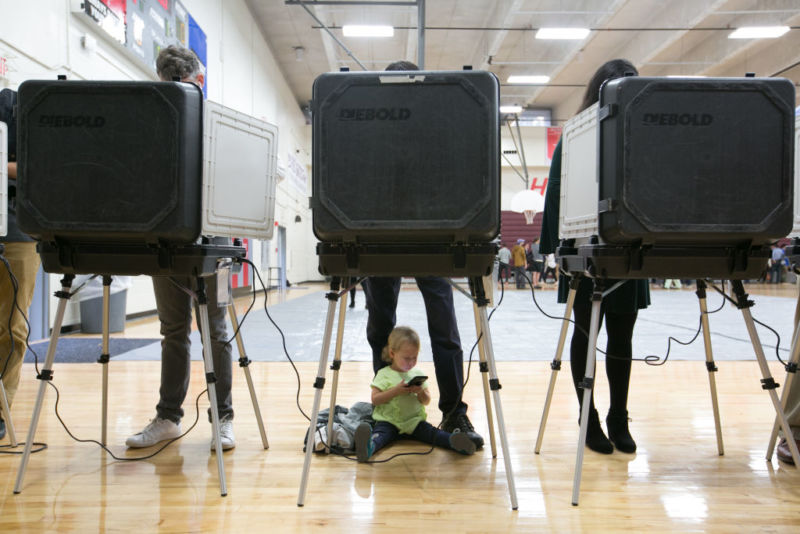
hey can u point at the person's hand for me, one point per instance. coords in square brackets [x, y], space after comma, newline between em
[400, 389]
[413, 389]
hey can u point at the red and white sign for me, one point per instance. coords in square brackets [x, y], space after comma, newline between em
[242, 279]
[553, 135]
[3, 67]
[539, 184]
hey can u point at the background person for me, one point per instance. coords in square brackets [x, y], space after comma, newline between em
[619, 308]
[519, 261]
[535, 263]
[504, 261]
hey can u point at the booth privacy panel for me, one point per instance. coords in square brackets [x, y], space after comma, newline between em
[577, 215]
[238, 174]
[406, 157]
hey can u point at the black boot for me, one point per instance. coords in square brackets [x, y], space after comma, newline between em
[595, 438]
[617, 424]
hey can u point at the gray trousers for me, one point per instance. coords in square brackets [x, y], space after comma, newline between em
[175, 313]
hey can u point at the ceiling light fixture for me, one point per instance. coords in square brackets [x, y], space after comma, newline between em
[528, 79]
[350, 30]
[510, 109]
[758, 32]
[562, 33]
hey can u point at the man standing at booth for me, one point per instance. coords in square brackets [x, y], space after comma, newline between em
[175, 313]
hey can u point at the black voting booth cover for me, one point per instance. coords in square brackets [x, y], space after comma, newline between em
[695, 177]
[406, 172]
[704, 161]
[111, 176]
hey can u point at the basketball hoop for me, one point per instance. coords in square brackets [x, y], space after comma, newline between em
[528, 202]
[529, 215]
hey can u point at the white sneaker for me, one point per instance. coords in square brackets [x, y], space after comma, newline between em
[156, 430]
[226, 436]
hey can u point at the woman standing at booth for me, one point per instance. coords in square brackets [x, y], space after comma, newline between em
[619, 308]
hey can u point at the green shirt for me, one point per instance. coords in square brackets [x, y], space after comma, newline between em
[404, 411]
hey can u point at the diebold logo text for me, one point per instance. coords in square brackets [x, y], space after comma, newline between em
[72, 121]
[677, 119]
[374, 114]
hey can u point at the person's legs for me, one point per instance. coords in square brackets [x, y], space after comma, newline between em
[457, 441]
[220, 349]
[448, 358]
[24, 263]
[504, 270]
[619, 351]
[581, 312]
[519, 272]
[175, 314]
[775, 273]
[383, 434]
[353, 297]
[427, 433]
[381, 297]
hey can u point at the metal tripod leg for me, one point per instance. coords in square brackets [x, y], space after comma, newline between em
[767, 382]
[105, 356]
[337, 363]
[710, 365]
[494, 383]
[791, 371]
[44, 375]
[5, 411]
[244, 363]
[208, 363]
[555, 365]
[319, 384]
[484, 367]
[587, 384]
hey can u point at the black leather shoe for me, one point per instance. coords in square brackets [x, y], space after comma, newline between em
[618, 433]
[784, 452]
[596, 440]
[463, 424]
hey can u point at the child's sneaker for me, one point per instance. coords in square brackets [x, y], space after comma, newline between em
[459, 442]
[363, 442]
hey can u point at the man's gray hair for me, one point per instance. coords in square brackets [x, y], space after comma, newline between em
[177, 62]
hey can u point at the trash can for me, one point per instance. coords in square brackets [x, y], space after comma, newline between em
[92, 313]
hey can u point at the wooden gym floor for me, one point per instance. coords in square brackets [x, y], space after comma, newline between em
[675, 482]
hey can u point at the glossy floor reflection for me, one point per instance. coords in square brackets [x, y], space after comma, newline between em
[675, 482]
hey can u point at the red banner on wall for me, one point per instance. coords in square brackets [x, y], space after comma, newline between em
[242, 279]
[553, 135]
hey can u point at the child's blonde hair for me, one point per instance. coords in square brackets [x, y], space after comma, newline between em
[399, 336]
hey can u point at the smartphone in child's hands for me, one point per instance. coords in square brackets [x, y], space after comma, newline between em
[416, 381]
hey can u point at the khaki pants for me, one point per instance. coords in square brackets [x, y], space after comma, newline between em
[24, 263]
